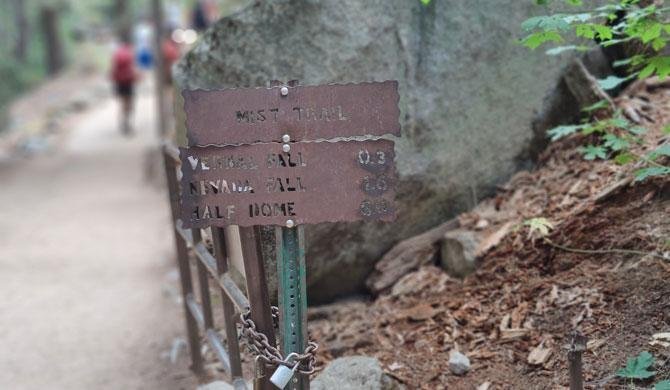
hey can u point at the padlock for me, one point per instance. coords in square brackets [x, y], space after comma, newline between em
[259, 372]
[283, 374]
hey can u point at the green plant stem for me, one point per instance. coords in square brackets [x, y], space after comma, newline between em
[603, 251]
[648, 161]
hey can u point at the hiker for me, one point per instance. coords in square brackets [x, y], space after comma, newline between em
[124, 76]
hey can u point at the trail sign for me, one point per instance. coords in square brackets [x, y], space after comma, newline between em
[278, 156]
[314, 182]
[304, 113]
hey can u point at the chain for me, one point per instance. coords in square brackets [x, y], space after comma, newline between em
[260, 346]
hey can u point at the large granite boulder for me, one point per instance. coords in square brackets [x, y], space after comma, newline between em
[468, 94]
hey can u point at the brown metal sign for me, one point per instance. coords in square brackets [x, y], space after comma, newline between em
[314, 182]
[304, 113]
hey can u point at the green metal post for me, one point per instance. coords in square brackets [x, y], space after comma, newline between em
[292, 296]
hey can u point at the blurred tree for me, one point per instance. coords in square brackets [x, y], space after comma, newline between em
[123, 19]
[21, 45]
[54, 56]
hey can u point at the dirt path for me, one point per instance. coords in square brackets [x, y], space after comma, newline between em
[87, 282]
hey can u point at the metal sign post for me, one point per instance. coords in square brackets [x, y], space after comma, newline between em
[284, 156]
[291, 272]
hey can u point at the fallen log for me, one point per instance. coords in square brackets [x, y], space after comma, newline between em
[455, 248]
[460, 249]
[407, 256]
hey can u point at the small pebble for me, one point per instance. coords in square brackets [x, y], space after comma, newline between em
[459, 364]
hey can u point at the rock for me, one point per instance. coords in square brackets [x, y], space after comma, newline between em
[464, 126]
[484, 386]
[221, 385]
[539, 355]
[216, 385]
[458, 252]
[354, 373]
[459, 364]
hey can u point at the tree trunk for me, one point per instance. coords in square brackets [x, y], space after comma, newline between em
[21, 47]
[122, 20]
[52, 40]
[157, 9]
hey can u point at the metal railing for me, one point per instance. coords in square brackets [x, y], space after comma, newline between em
[214, 265]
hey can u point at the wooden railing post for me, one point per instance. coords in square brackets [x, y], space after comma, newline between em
[221, 255]
[183, 264]
[257, 288]
[203, 282]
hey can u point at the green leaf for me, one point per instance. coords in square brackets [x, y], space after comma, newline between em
[546, 23]
[575, 2]
[620, 122]
[651, 32]
[658, 43]
[563, 131]
[638, 130]
[539, 225]
[624, 158]
[425, 2]
[592, 152]
[596, 106]
[646, 71]
[662, 385]
[666, 129]
[533, 41]
[663, 150]
[585, 31]
[624, 62]
[636, 368]
[593, 31]
[611, 42]
[659, 65]
[577, 18]
[615, 143]
[603, 32]
[646, 173]
[597, 127]
[554, 51]
[612, 82]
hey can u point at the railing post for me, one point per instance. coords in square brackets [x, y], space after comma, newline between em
[183, 264]
[203, 282]
[575, 349]
[257, 289]
[221, 255]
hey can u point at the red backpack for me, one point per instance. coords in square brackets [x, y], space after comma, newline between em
[123, 69]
